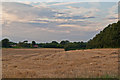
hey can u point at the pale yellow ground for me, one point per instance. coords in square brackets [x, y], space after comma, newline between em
[57, 63]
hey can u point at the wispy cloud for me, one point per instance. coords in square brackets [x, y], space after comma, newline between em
[73, 21]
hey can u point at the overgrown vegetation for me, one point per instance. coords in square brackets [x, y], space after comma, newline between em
[108, 38]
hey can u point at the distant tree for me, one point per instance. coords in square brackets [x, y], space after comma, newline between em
[75, 46]
[33, 43]
[41, 45]
[20, 44]
[70, 46]
[23, 44]
[25, 41]
[64, 42]
[5, 43]
[54, 42]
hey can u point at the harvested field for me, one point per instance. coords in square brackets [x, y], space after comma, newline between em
[57, 63]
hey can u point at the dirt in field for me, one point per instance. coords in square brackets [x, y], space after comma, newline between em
[57, 63]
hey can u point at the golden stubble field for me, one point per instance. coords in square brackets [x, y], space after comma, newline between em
[57, 63]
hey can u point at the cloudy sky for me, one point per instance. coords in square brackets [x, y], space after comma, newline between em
[48, 21]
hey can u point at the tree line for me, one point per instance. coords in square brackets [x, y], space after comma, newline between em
[67, 45]
[108, 38]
